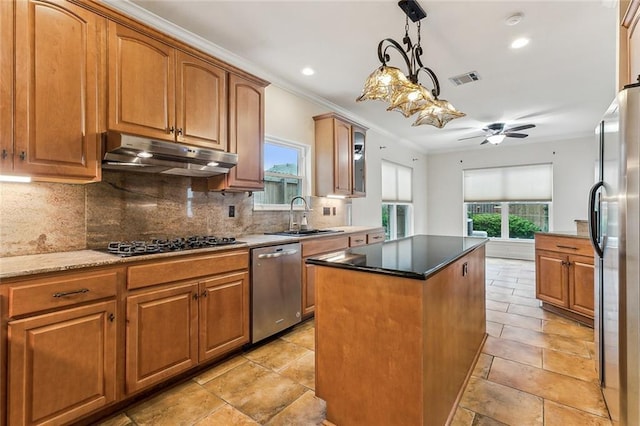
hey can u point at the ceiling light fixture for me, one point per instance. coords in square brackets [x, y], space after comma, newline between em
[514, 19]
[307, 71]
[495, 139]
[403, 92]
[519, 42]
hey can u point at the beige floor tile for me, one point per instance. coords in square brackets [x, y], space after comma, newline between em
[524, 293]
[570, 365]
[302, 370]
[216, 371]
[307, 410]
[535, 313]
[509, 298]
[227, 416]
[496, 306]
[277, 354]
[515, 320]
[481, 420]
[566, 390]
[527, 280]
[118, 420]
[494, 328]
[462, 417]
[482, 367]
[303, 336]
[591, 347]
[513, 350]
[561, 415]
[543, 340]
[502, 290]
[184, 404]
[498, 402]
[568, 329]
[255, 390]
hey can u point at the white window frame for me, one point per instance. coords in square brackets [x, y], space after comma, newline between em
[397, 197]
[504, 217]
[393, 226]
[304, 167]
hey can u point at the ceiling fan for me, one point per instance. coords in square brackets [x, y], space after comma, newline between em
[496, 132]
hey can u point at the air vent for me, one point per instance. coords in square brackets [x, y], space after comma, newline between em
[465, 78]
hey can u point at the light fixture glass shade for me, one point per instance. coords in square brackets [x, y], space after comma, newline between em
[495, 139]
[410, 99]
[438, 114]
[382, 84]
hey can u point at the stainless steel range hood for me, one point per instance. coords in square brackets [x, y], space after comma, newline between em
[137, 154]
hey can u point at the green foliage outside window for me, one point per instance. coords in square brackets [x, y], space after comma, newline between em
[519, 227]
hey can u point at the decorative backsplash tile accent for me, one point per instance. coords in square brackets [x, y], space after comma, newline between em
[49, 217]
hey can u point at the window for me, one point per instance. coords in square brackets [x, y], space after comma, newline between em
[508, 202]
[285, 174]
[397, 210]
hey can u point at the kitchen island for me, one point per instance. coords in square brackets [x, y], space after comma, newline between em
[399, 326]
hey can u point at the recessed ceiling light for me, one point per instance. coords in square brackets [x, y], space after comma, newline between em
[308, 71]
[514, 19]
[519, 42]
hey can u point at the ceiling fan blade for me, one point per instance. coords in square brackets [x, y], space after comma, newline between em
[471, 137]
[523, 127]
[484, 141]
[516, 135]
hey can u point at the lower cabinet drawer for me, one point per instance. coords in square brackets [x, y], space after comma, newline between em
[375, 237]
[62, 291]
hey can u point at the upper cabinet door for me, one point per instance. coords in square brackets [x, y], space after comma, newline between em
[246, 133]
[58, 52]
[201, 103]
[141, 84]
[342, 164]
[6, 86]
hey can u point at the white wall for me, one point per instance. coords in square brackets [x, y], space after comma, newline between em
[573, 174]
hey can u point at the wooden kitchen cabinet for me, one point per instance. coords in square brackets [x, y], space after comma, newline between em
[565, 276]
[224, 314]
[246, 137]
[315, 247]
[62, 364]
[6, 86]
[160, 92]
[629, 42]
[161, 338]
[59, 80]
[338, 170]
[173, 326]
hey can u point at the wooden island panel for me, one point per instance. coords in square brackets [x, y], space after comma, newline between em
[397, 351]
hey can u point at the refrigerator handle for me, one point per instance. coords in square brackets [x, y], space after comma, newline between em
[593, 218]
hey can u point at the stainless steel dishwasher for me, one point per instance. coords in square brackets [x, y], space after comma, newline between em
[276, 289]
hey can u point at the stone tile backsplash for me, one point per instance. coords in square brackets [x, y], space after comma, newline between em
[50, 217]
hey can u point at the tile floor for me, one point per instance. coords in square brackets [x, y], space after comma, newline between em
[536, 368]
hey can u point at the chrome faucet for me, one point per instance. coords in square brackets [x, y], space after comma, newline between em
[306, 209]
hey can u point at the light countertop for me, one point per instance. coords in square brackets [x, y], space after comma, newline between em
[20, 266]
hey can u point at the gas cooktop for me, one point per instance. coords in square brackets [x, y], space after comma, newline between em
[136, 248]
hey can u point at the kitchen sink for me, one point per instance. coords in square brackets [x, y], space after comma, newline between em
[304, 233]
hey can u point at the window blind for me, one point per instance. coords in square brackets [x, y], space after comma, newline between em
[516, 183]
[396, 182]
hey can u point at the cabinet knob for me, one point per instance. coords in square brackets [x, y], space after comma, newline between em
[23, 155]
[179, 131]
[4, 154]
[204, 293]
[171, 130]
[112, 317]
[195, 296]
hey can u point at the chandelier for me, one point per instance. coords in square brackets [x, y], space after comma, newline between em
[404, 93]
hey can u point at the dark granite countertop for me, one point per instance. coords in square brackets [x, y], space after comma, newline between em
[416, 257]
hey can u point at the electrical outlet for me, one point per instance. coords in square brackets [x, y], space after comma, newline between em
[232, 211]
[334, 211]
[326, 211]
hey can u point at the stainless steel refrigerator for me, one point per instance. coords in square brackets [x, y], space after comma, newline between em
[614, 222]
